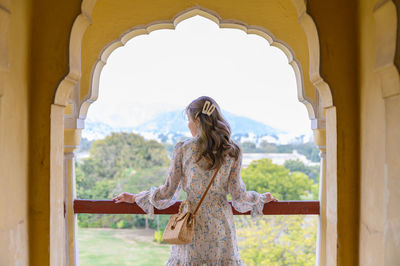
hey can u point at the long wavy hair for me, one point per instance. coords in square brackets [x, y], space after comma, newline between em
[214, 136]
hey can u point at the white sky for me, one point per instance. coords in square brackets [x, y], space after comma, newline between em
[167, 69]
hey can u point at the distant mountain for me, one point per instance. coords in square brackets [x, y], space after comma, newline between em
[172, 127]
[165, 122]
[243, 125]
[97, 130]
[175, 122]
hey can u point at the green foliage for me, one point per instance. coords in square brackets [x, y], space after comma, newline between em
[136, 181]
[268, 147]
[85, 145]
[160, 223]
[116, 158]
[248, 146]
[120, 162]
[277, 240]
[309, 150]
[315, 191]
[123, 224]
[264, 176]
[298, 166]
[158, 236]
[113, 226]
[120, 151]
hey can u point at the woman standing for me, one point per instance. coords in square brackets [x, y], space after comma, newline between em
[193, 165]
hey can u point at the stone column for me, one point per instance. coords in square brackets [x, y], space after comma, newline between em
[320, 141]
[321, 234]
[386, 25]
[71, 142]
[392, 182]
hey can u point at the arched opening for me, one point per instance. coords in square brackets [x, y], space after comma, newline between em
[155, 76]
[68, 95]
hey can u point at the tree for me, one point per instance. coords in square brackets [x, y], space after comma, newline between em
[120, 162]
[268, 147]
[248, 146]
[265, 176]
[298, 166]
[309, 150]
[85, 145]
[120, 151]
[277, 240]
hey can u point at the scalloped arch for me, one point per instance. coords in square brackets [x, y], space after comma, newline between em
[70, 86]
[233, 24]
[72, 80]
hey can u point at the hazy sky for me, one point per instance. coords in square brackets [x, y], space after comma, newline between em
[167, 69]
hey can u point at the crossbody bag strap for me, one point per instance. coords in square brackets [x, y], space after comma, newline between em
[205, 192]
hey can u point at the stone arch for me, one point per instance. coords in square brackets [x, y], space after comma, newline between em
[320, 109]
[191, 12]
[83, 21]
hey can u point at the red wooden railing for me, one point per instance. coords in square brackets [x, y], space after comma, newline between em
[272, 208]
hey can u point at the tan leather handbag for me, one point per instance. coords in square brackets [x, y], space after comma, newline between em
[180, 228]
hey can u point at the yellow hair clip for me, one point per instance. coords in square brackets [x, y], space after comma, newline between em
[208, 108]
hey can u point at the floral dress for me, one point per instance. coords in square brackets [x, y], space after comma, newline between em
[214, 241]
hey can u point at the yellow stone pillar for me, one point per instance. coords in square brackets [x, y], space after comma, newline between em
[320, 141]
[392, 182]
[57, 188]
[71, 143]
[386, 28]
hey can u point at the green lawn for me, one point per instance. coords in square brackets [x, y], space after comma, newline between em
[120, 247]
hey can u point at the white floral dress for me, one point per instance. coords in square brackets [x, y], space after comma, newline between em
[214, 240]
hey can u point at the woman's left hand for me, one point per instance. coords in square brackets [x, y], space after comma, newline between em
[125, 197]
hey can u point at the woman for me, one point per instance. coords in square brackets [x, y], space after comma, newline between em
[193, 165]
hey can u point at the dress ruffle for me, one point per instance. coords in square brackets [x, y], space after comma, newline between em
[148, 200]
[198, 262]
[145, 201]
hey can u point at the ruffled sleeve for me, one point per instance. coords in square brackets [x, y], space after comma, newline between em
[242, 200]
[165, 195]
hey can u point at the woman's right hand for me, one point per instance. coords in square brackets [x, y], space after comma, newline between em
[125, 197]
[270, 197]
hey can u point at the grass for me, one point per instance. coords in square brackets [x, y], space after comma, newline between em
[120, 247]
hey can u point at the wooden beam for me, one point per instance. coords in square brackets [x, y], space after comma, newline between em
[272, 208]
